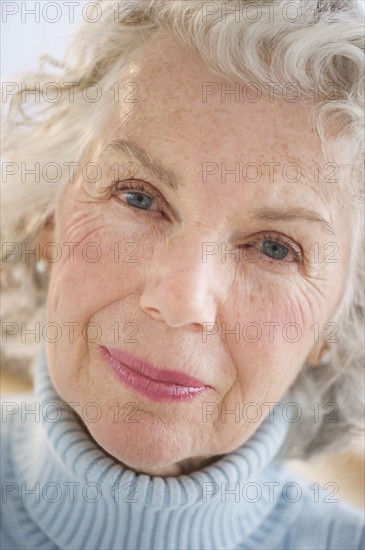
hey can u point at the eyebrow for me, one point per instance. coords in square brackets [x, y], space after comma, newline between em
[295, 214]
[141, 156]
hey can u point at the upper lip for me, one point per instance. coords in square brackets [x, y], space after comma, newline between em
[148, 369]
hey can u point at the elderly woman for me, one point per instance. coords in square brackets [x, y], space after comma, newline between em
[184, 196]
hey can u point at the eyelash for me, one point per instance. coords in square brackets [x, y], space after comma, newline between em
[295, 249]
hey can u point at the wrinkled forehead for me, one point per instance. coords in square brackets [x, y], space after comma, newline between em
[170, 101]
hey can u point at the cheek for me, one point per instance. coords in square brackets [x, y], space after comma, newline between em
[272, 329]
[100, 261]
[265, 331]
[100, 264]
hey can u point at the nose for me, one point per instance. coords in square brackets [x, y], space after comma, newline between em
[179, 286]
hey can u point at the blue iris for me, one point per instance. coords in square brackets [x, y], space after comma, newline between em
[139, 200]
[274, 250]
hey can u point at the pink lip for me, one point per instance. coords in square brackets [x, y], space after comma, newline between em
[157, 384]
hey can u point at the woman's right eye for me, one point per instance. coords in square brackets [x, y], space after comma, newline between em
[137, 196]
[139, 200]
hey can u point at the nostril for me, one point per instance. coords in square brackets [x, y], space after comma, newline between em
[197, 327]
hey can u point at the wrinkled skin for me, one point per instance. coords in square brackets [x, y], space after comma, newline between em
[169, 293]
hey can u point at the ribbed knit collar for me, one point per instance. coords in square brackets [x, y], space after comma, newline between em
[99, 504]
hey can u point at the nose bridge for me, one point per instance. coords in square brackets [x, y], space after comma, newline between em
[180, 282]
[182, 255]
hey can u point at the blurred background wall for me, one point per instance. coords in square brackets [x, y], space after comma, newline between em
[31, 28]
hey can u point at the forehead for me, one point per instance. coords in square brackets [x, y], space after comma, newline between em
[183, 113]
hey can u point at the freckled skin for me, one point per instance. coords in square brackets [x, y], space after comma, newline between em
[161, 285]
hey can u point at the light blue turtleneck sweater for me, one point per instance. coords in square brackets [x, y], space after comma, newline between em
[60, 490]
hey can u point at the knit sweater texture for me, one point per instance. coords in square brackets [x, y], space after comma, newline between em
[60, 490]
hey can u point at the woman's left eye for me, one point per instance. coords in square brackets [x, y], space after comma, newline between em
[274, 250]
[277, 248]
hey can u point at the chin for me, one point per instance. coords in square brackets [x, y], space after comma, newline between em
[144, 446]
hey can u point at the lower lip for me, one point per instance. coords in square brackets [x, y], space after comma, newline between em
[154, 389]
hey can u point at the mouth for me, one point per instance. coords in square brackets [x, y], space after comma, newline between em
[146, 379]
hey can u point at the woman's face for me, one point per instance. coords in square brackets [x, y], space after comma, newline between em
[188, 267]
